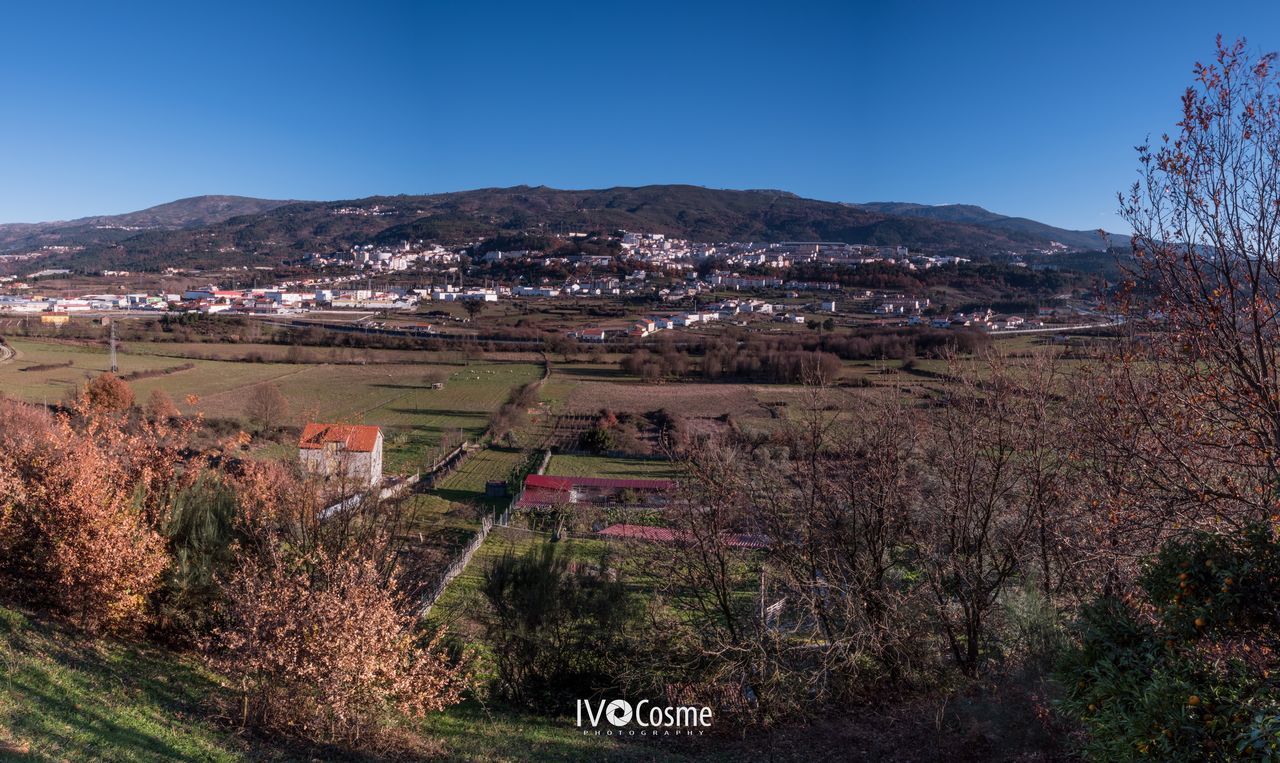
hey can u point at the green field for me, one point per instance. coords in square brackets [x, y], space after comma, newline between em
[460, 601]
[616, 467]
[458, 498]
[278, 353]
[395, 396]
[465, 487]
[54, 384]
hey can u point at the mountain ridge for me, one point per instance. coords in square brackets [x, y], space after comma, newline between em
[221, 230]
[976, 215]
[179, 213]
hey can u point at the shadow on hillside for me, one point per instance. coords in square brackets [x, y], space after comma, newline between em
[74, 698]
[450, 412]
[601, 372]
[78, 694]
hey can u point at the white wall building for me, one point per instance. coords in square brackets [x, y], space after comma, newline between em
[342, 451]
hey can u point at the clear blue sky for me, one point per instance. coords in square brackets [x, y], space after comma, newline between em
[1020, 107]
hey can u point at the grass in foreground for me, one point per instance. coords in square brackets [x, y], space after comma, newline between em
[63, 698]
[66, 698]
[473, 732]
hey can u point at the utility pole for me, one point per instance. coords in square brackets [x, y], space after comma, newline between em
[115, 366]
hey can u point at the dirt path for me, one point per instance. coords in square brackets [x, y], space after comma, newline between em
[7, 353]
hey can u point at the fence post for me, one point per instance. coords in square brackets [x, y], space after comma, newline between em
[459, 564]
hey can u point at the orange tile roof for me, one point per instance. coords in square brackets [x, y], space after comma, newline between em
[360, 438]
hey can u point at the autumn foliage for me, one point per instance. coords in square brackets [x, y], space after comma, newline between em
[74, 525]
[325, 651]
[109, 519]
[105, 393]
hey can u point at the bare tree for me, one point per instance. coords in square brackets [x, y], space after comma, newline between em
[1205, 218]
[813, 523]
[435, 376]
[160, 406]
[267, 407]
[709, 633]
[974, 526]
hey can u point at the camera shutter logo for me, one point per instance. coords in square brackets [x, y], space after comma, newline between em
[618, 712]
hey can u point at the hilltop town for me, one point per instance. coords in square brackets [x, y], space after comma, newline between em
[684, 284]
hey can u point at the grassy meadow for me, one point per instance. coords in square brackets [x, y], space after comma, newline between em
[395, 396]
[64, 697]
[615, 467]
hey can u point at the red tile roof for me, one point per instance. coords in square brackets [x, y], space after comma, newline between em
[541, 490]
[548, 482]
[359, 438]
[640, 532]
[667, 535]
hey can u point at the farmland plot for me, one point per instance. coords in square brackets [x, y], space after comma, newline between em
[690, 399]
[616, 467]
[47, 371]
[396, 396]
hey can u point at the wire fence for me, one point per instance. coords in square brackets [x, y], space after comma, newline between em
[455, 568]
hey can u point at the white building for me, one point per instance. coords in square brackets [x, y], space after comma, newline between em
[535, 291]
[342, 451]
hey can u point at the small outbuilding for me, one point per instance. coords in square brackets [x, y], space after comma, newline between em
[542, 491]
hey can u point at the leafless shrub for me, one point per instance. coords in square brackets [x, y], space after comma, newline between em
[324, 652]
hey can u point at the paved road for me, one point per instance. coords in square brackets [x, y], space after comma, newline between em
[1056, 329]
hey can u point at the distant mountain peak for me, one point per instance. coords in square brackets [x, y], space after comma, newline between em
[191, 212]
[972, 214]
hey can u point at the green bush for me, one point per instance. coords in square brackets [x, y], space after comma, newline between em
[596, 440]
[200, 532]
[558, 628]
[1183, 669]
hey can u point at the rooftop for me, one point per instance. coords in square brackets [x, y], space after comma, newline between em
[360, 438]
[569, 483]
